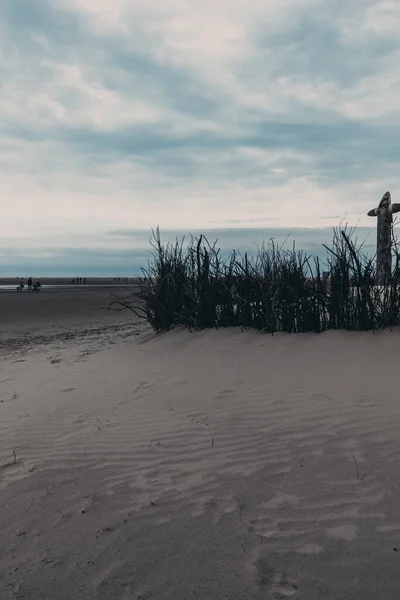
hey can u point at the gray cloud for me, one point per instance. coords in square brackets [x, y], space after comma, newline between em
[314, 45]
[310, 47]
[136, 118]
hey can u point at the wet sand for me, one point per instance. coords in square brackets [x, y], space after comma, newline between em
[29, 318]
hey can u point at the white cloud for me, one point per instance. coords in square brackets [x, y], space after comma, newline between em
[49, 102]
[383, 18]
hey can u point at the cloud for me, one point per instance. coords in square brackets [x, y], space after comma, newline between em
[194, 115]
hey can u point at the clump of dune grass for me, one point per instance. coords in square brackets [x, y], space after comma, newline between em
[278, 289]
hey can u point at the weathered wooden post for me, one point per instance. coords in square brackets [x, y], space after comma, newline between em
[384, 212]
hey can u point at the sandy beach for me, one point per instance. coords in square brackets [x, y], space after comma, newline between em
[54, 314]
[216, 464]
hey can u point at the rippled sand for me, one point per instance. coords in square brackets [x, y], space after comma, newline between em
[210, 465]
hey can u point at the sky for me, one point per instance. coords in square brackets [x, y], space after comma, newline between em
[240, 119]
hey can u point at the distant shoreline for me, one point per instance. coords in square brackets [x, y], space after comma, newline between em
[89, 288]
[10, 284]
[68, 280]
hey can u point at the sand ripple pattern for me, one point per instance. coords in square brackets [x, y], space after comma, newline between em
[286, 448]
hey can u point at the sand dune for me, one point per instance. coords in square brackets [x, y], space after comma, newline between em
[217, 464]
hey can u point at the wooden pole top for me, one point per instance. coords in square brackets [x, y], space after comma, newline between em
[384, 205]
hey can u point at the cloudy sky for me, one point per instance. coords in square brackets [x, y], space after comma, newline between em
[255, 116]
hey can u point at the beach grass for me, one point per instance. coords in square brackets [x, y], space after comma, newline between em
[278, 289]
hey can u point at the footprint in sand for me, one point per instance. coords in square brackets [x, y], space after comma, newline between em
[199, 418]
[276, 582]
[217, 508]
[10, 466]
[55, 361]
[66, 390]
[9, 470]
[82, 419]
[62, 517]
[143, 387]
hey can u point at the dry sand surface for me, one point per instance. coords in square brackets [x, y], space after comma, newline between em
[207, 465]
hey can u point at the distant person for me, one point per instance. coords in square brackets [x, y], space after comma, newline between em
[30, 284]
[36, 286]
